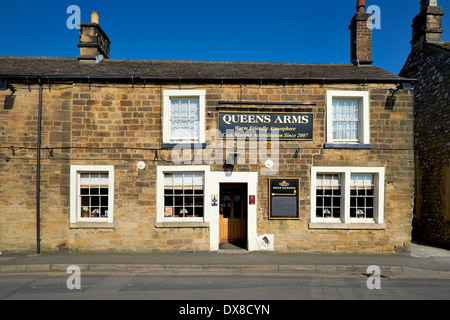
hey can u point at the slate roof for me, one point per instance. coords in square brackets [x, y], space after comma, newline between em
[12, 67]
[443, 45]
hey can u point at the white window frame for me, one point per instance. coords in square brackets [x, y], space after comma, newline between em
[364, 118]
[163, 221]
[75, 213]
[345, 221]
[167, 95]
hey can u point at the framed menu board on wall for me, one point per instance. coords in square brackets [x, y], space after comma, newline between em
[284, 198]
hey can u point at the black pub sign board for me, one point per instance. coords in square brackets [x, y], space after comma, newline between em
[291, 126]
[284, 198]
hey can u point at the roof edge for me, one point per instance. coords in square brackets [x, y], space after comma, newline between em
[131, 79]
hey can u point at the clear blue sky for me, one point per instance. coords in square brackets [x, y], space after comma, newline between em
[309, 31]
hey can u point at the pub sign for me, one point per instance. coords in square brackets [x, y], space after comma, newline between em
[291, 126]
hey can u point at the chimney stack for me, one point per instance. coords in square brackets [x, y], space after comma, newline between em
[360, 36]
[94, 43]
[427, 25]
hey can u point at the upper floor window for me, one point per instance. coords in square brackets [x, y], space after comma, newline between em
[347, 118]
[184, 116]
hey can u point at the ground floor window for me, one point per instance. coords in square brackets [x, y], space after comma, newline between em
[347, 195]
[183, 195]
[92, 194]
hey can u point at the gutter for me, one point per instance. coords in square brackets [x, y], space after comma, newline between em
[131, 79]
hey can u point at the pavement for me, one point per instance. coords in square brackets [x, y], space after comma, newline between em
[422, 262]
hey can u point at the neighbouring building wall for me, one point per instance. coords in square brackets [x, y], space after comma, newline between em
[429, 63]
[431, 66]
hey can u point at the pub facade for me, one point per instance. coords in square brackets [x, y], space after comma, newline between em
[99, 154]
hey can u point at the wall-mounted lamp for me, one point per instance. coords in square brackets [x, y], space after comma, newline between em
[233, 154]
[5, 86]
[401, 86]
[228, 166]
[393, 91]
[9, 100]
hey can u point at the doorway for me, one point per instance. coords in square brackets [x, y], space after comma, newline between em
[233, 215]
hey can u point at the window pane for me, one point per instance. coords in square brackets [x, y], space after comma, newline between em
[198, 211]
[95, 213]
[189, 201]
[175, 108]
[168, 201]
[184, 129]
[188, 179]
[184, 109]
[84, 179]
[104, 201]
[198, 179]
[85, 201]
[194, 109]
[104, 212]
[95, 180]
[177, 180]
[95, 201]
[328, 195]
[179, 201]
[175, 128]
[104, 180]
[362, 195]
[168, 179]
[198, 201]
[192, 131]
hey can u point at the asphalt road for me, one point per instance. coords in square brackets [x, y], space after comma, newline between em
[218, 287]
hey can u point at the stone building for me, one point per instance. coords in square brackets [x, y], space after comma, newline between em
[429, 62]
[98, 154]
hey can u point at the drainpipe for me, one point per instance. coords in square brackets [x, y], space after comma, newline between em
[38, 174]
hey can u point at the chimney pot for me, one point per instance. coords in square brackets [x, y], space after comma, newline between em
[427, 3]
[360, 5]
[94, 17]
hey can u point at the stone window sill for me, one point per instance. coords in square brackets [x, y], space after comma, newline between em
[92, 225]
[347, 146]
[347, 226]
[184, 145]
[192, 224]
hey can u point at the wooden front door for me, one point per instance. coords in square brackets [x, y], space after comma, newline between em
[233, 213]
